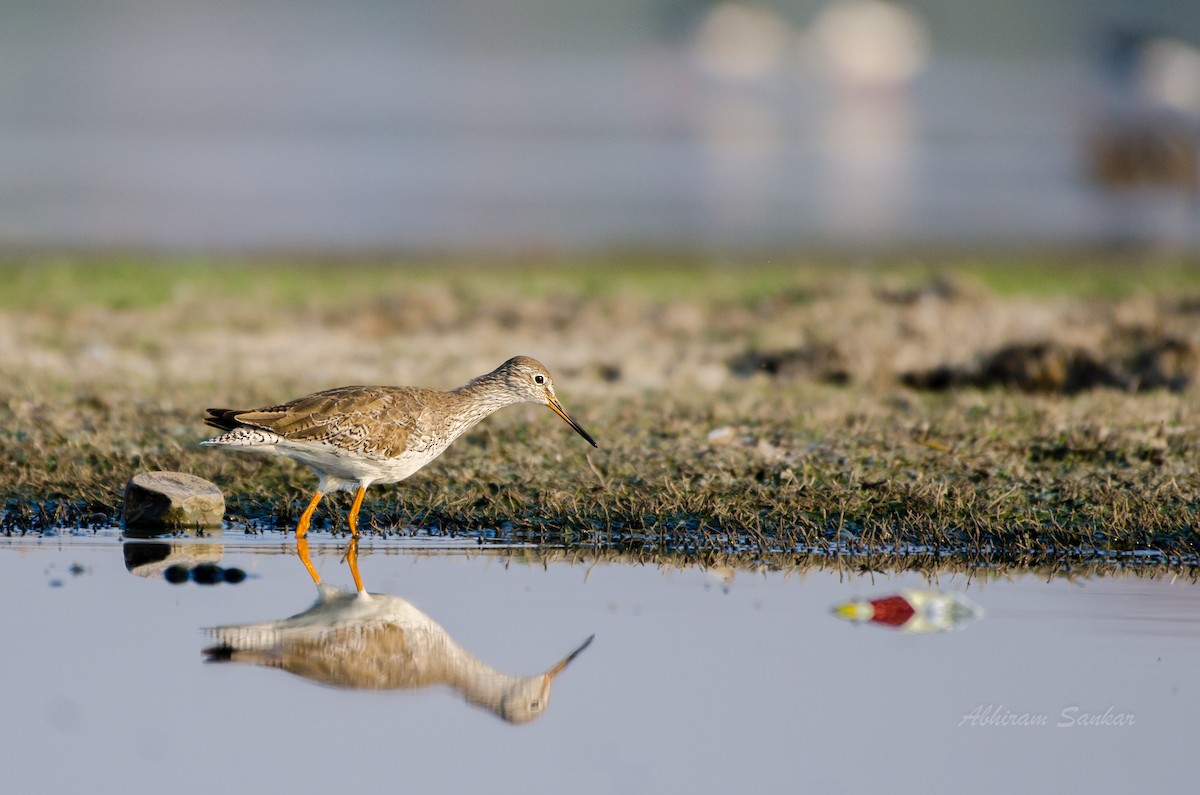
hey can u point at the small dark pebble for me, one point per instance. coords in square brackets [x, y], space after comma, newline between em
[234, 575]
[56, 583]
[208, 574]
[177, 574]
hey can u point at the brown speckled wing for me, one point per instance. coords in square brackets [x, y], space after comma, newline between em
[375, 419]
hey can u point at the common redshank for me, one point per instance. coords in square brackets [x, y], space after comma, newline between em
[355, 436]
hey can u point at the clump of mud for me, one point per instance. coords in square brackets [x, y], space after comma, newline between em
[1053, 368]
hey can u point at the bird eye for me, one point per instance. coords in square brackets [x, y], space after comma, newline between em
[539, 379]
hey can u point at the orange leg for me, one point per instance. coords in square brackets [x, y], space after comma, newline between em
[352, 559]
[302, 551]
[302, 528]
[358, 498]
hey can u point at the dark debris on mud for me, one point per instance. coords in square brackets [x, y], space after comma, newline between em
[1045, 367]
[1054, 368]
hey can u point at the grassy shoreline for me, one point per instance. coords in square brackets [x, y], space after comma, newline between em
[757, 411]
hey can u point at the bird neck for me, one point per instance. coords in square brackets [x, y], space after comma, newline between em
[484, 395]
[476, 681]
[442, 661]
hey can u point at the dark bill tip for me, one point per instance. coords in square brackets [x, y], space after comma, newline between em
[567, 418]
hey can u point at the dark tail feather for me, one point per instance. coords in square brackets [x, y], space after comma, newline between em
[218, 654]
[225, 419]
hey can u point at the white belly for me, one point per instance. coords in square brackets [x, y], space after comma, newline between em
[339, 469]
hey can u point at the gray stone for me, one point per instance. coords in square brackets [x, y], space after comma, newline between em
[172, 501]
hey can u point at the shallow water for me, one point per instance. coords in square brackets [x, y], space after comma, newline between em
[696, 682]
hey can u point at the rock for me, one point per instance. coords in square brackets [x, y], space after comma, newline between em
[166, 501]
[723, 435]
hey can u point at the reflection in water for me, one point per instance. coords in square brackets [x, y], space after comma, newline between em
[912, 610]
[178, 561]
[152, 559]
[356, 639]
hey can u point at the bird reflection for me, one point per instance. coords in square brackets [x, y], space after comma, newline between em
[360, 640]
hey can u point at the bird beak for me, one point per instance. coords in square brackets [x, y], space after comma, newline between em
[557, 669]
[557, 408]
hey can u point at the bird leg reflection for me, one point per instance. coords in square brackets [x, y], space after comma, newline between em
[352, 560]
[302, 551]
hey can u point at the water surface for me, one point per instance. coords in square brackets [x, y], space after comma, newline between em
[696, 681]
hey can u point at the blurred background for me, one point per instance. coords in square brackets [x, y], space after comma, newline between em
[542, 126]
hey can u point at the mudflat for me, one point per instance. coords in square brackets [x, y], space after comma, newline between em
[1019, 412]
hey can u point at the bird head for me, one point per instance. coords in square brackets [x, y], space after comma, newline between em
[531, 381]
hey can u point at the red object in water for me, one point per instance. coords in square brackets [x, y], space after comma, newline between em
[895, 611]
